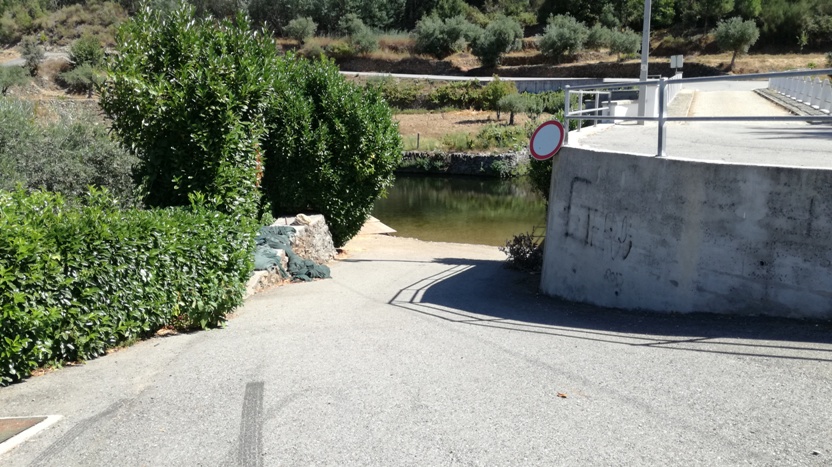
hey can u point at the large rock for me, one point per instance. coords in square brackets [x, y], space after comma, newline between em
[312, 239]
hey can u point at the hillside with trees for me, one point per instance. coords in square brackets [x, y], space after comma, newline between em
[792, 23]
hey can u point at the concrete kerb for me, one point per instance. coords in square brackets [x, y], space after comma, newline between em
[21, 437]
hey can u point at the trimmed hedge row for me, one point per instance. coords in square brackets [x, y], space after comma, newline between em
[77, 280]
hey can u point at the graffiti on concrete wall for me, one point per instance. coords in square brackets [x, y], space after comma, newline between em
[608, 232]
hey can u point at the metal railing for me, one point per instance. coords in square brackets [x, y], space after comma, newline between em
[812, 92]
[663, 118]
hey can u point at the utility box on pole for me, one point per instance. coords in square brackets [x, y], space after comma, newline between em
[676, 62]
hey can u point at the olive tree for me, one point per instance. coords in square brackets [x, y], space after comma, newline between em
[32, 53]
[564, 35]
[737, 36]
[442, 37]
[513, 104]
[494, 91]
[502, 35]
[301, 29]
[87, 56]
[625, 42]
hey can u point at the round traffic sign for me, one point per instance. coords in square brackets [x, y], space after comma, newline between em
[546, 140]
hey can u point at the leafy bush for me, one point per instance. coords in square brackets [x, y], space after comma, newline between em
[829, 59]
[59, 22]
[457, 94]
[599, 37]
[87, 51]
[564, 35]
[364, 41]
[497, 136]
[360, 37]
[625, 42]
[312, 50]
[188, 96]
[502, 35]
[82, 79]
[553, 101]
[339, 49]
[77, 280]
[32, 53]
[73, 20]
[736, 35]
[66, 154]
[331, 148]
[525, 252]
[534, 105]
[301, 29]
[401, 94]
[443, 37]
[11, 76]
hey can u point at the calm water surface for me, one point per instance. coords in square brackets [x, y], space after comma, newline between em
[461, 209]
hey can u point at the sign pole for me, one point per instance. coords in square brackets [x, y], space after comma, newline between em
[645, 51]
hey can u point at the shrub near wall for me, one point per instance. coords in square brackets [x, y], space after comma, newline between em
[75, 281]
[331, 146]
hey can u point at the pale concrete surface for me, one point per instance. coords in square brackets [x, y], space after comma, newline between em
[638, 232]
[434, 354]
[794, 144]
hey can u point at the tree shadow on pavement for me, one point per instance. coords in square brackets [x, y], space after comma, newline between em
[485, 293]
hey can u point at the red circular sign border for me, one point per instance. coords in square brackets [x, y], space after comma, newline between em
[544, 157]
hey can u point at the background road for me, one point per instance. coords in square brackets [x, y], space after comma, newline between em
[434, 354]
[46, 56]
[794, 144]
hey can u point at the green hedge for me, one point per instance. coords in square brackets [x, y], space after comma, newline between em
[332, 146]
[77, 280]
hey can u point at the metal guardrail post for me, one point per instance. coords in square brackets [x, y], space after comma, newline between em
[662, 114]
[580, 109]
[597, 106]
[566, 110]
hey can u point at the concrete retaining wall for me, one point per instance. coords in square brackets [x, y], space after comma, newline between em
[638, 232]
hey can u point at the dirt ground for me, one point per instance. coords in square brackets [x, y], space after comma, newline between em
[764, 63]
[439, 124]
[8, 54]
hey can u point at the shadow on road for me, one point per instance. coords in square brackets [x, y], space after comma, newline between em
[816, 131]
[485, 293]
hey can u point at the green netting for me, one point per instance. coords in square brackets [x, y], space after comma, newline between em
[273, 238]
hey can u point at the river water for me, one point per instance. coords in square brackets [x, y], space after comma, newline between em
[460, 209]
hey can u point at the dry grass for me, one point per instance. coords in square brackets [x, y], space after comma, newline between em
[9, 54]
[390, 55]
[436, 125]
[399, 43]
[763, 63]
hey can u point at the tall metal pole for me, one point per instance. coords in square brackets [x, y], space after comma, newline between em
[645, 52]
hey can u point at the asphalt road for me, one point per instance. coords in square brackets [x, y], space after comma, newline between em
[46, 56]
[434, 354]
